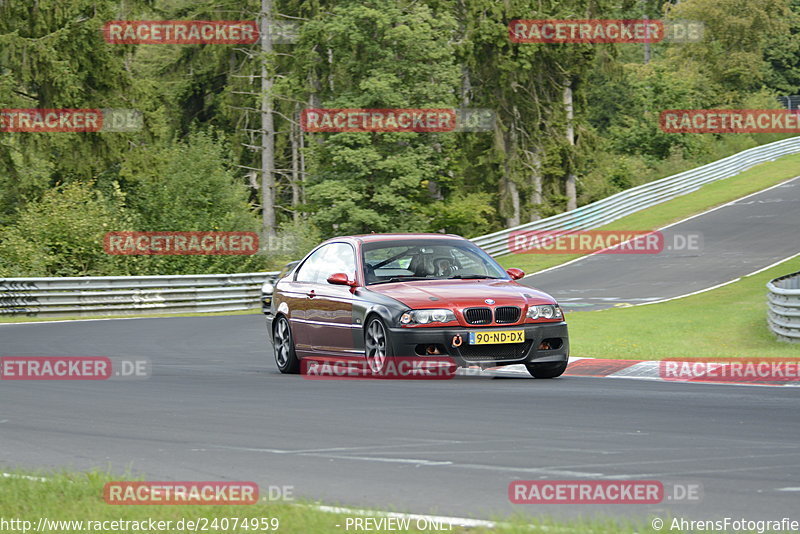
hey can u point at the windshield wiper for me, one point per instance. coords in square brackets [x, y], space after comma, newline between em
[473, 277]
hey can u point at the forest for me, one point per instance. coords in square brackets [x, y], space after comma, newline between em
[571, 122]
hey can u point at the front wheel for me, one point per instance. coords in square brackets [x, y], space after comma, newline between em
[547, 369]
[283, 346]
[376, 345]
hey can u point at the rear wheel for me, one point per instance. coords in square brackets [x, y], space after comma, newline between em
[376, 345]
[547, 369]
[283, 346]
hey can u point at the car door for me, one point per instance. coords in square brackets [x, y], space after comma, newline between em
[298, 294]
[330, 313]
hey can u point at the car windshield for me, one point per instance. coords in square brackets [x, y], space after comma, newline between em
[427, 259]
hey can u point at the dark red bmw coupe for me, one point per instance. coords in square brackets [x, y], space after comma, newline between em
[371, 297]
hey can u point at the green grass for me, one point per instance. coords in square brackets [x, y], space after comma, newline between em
[78, 496]
[726, 322]
[709, 196]
[730, 321]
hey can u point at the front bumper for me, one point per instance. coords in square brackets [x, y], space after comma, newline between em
[415, 341]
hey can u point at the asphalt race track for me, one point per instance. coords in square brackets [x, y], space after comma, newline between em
[737, 239]
[216, 408]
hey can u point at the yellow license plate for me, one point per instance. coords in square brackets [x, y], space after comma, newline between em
[491, 338]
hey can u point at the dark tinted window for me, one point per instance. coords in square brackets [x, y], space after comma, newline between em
[434, 259]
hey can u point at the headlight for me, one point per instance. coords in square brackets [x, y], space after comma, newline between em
[267, 288]
[427, 317]
[547, 311]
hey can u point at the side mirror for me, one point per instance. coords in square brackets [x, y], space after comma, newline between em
[515, 274]
[340, 279]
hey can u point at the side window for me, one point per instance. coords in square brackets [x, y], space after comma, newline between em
[309, 271]
[333, 258]
[338, 258]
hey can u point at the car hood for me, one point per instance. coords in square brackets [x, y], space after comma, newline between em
[462, 293]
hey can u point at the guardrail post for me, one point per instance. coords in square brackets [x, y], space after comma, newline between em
[783, 307]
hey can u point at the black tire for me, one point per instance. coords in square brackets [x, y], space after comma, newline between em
[377, 347]
[283, 347]
[546, 370]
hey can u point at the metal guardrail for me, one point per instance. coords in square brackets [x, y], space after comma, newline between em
[641, 197]
[130, 295]
[783, 307]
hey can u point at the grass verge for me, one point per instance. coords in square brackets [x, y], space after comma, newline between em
[707, 197]
[78, 497]
[730, 321]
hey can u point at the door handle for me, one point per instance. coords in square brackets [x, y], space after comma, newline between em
[311, 294]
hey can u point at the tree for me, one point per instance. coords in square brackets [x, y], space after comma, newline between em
[732, 53]
[189, 186]
[62, 234]
[53, 56]
[537, 92]
[372, 55]
[782, 55]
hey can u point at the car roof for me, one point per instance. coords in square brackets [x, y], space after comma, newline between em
[371, 238]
